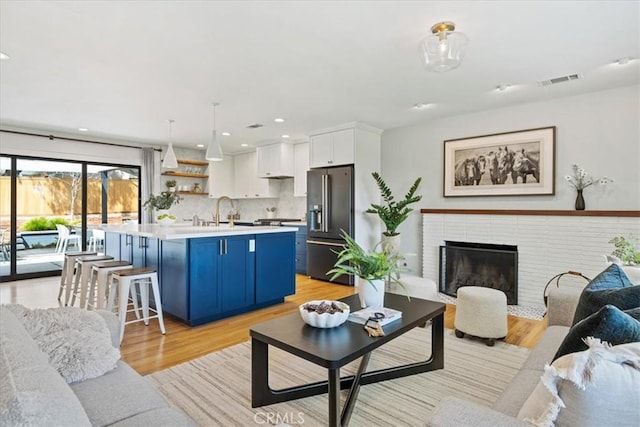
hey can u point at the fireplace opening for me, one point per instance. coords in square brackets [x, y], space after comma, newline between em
[479, 264]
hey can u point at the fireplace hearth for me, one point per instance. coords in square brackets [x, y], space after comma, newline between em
[479, 264]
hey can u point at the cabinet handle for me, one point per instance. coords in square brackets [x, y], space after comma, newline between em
[268, 173]
[257, 195]
[330, 161]
[220, 247]
[128, 240]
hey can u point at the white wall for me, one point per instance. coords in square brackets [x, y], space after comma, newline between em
[600, 131]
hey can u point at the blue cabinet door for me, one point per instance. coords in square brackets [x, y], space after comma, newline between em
[204, 277]
[237, 273]
[275, 266]
[174, 284]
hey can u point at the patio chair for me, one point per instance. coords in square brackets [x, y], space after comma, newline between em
[64, 236]
[5, 244]
[96, 240]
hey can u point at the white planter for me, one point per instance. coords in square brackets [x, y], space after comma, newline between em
[391, 243]
[371, 296]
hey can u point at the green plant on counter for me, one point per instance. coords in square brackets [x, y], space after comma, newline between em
[393, 213]
[625, 249]
[164, 200]
[353, 260]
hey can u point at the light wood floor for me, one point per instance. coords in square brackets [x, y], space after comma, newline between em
[147, 350]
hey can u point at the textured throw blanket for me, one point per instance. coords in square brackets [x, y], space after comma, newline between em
[77, 342]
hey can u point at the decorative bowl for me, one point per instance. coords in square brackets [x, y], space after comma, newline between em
[324, 320]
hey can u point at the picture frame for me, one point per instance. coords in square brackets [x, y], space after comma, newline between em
[518, 163]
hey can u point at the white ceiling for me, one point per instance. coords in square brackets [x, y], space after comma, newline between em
[122, 68]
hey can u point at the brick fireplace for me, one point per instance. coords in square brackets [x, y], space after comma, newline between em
[548, 242]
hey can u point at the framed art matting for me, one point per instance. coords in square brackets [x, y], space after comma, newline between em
[520, 163]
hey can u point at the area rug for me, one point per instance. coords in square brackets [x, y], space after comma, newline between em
[215, 390]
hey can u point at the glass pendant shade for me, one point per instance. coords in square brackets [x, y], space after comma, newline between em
[214, 150]
[170, 161]
[444, 49]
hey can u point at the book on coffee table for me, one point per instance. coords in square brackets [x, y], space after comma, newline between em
[365, 314]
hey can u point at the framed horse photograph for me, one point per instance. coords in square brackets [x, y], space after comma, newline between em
[519, 163]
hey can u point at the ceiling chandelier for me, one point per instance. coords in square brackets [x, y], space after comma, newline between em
[214, 150]
[170, 161]
[444, 49]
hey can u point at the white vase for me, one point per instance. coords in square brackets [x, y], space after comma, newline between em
[391, 244]
[371, 295]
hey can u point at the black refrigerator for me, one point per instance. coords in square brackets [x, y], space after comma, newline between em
[329, 211]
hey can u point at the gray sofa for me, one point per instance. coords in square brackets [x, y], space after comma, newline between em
[453, 412]
[33, 393]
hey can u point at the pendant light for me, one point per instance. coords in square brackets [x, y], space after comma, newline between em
[214, 150]
[170, 161]
[443, 50]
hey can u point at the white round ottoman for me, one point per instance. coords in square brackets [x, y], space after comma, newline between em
[481, 312]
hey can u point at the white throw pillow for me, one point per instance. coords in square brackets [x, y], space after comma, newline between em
[77, 342]
[596, 387]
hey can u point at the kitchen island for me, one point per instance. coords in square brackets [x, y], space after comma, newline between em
[208, 273]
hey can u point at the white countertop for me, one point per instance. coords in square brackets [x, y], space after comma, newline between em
[188, 231]
[295, 223]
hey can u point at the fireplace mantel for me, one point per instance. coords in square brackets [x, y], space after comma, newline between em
[535, 212]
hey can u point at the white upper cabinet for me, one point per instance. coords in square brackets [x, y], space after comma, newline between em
[275, 161]
[301, 166]
[221, 178]
[332, 149]
[246, 181]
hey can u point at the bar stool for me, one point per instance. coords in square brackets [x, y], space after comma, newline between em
[99, 280]
[81, 278]
[66, 278]
[126, 280]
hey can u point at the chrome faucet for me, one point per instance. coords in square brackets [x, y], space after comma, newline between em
[218, 210]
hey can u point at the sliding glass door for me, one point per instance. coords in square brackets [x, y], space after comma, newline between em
[50, 207]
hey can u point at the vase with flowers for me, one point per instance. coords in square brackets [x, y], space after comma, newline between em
[580, 180]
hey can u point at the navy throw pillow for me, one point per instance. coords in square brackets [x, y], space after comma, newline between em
[612, 286]
[610, 324]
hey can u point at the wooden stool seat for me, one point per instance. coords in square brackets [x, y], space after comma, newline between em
[136, 271]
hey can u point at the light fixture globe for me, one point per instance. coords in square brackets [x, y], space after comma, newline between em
[444, 49]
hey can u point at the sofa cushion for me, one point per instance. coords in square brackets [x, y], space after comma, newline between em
[596, 387]
[609, 324]
[78, 342]
[517, 391]
[31, 391]
[609, 287]
[117, 395]
[542, 354]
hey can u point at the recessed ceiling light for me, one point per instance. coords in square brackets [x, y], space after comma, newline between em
[285, 136]
[200, 145]
[623, 61]
[502, 87]
[226, 133]
[83, 129]
[4, 55]
[244, 145]
[278, 120]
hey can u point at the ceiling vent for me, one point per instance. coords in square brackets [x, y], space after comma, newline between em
[562, 79]
[254, 126]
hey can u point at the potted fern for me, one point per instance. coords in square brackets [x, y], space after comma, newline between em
[392, 212]
[372, 268]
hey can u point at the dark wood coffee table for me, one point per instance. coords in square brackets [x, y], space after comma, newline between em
[336, 347]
